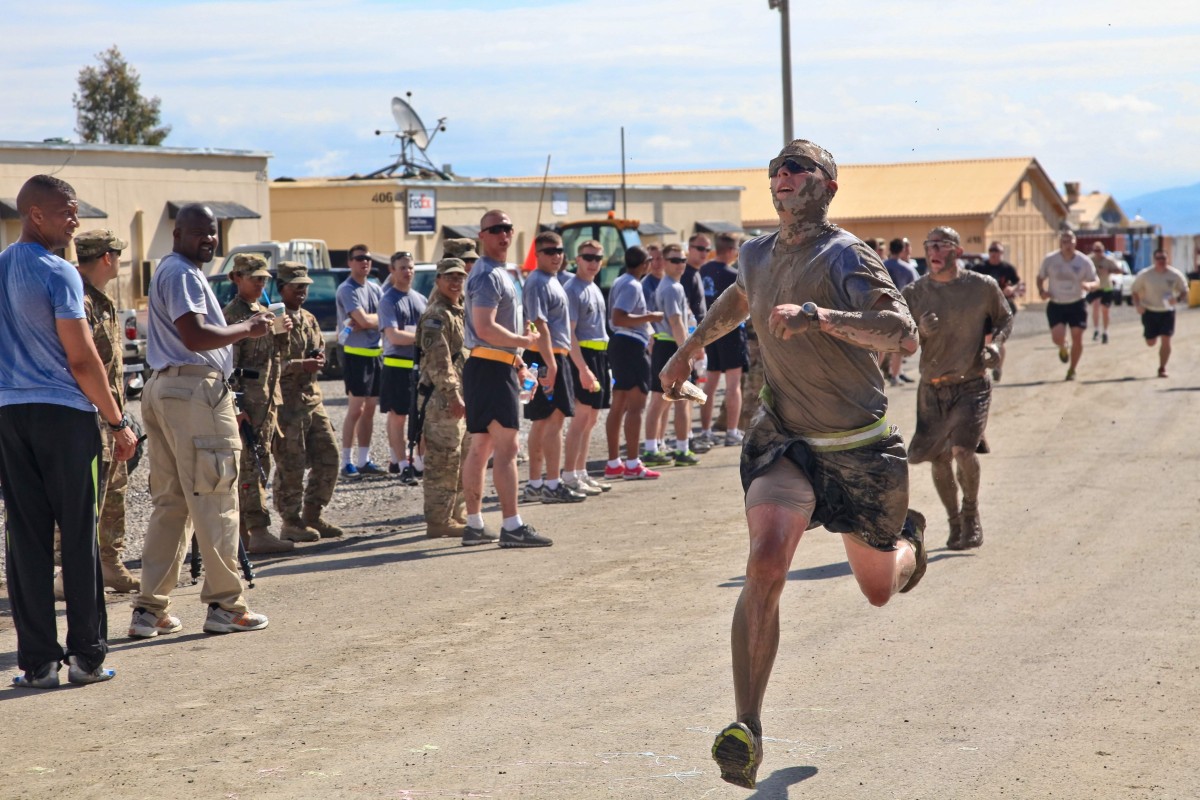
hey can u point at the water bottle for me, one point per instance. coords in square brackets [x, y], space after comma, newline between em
[528, 384]
[344, 332]
[542, 370]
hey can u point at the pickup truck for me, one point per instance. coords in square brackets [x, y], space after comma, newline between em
[133, 337]
[313, 253]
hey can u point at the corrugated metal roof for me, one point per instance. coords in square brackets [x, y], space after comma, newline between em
[222, 209]
[944, 189]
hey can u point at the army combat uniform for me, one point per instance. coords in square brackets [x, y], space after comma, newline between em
[258, 398]
[307, 441]
[440, 334]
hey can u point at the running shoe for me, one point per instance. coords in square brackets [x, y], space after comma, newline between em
[640, 473]
[659, 458]
[44, 677]
[614, 473]
[1070, 375]
[914, 532]
[81, 677]
[603, 486]
[701, 445]
[476, 536]
[1104, 338]
[393, 468]
[687, 459]
[1095, 335]
[524, 536]
[220, 620]
[146, 624]
[1064, 355]
[1162, 372]
[531, 494]
[738, 752]
[561, 494]
[734, 438]
[350, 472]
[371, 468]
[581, 487]
[904, 378]
[408, 476]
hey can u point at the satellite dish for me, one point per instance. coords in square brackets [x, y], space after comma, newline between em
[414, 141]
[409, 124]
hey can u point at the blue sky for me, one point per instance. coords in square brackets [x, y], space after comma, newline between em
[1107, 93]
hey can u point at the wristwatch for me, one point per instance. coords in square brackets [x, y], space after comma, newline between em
[809, 310]
[120, 426]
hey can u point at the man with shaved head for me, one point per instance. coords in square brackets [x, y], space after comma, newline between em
[821, 451]
[52, 383]
[194, 441]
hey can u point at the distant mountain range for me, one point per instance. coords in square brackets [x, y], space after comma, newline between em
[1176, 210]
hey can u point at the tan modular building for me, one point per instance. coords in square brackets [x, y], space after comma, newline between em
[135, 190]
[1007, 199]
[390, 214]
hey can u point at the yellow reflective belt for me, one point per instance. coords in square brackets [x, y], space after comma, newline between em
[389, 361]
[594, 344]
[663, 337]
[369, 352]
[849, 440]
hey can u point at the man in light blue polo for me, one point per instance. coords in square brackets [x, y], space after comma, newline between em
[52, 382]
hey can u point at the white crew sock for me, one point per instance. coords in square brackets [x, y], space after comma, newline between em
[475, 520]
[551, 485]
[419, 463]
[512, 523]
[633, 463]
[681, 445]
[364, 455]
[346, 455]
[392, 456]
[616, 462]
[536, 483]
[652, 445]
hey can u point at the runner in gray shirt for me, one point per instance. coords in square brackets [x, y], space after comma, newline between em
[589, 357]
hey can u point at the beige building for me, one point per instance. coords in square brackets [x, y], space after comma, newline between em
[136, 190]
[390, 214]
[1007, 199]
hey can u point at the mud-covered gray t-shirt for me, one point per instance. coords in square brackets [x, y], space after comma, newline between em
[818, 384]
[586, 303]
[967, 307]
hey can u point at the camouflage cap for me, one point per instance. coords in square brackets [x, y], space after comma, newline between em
[90, 245]
[806, 150]
[460, 248]
[292, 272]
[250, 265]
[451, 266]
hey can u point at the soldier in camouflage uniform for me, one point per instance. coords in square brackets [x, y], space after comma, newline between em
[259, 398]
[308, 441]
[440, 336]
[462, 249]
[99, 253]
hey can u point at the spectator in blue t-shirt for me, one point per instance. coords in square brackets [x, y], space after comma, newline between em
[903, 271]
[52, 382]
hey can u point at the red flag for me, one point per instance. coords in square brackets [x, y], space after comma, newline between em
[530, 260]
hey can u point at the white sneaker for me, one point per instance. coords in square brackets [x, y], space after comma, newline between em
[146, 624]
[583, 487]
[603, 486]
[221, 621]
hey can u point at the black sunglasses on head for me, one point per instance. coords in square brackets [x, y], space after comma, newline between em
[496, 230]
[553, 251]
[591, 258]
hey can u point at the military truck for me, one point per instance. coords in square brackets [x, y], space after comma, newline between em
[616, 236]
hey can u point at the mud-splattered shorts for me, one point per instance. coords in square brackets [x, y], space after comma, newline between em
[862, 492]
[950, 416]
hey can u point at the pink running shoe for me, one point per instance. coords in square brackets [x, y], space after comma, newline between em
[640, 473]
[613, 473]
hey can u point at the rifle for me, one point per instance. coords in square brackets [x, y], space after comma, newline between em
[418, 398]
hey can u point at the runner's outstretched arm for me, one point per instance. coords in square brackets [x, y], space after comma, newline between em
[887, 328]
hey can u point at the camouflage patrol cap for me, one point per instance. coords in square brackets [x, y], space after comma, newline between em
[809, 150]
[90, 245]
[451, 266]
[250, 265]
[459, 248]
[292, 272]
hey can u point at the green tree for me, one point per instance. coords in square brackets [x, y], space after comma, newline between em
[110, 108]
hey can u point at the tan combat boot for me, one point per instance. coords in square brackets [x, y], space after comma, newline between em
[312, 518]
[451, 530]
[295, 530]
[116, 576]
[262, 541]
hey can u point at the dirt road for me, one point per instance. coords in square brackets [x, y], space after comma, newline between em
[1060, 660]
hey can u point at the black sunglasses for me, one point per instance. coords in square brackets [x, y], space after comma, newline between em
[496, 230]
[360, 258]
[591, 258]
[795, 167]
[553, 251]
[677, 260]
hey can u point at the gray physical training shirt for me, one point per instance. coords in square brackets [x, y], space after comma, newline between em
[546, 300]
[672, 301]
[177, 288]
[586, 304]
[400, 310]
[365, 297]
[489, 286]
[626, 294]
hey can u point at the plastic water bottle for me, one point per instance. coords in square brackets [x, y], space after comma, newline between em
[344, 332]
[542, 370]
[528, 384]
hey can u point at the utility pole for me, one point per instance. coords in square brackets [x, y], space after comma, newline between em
[785, 45]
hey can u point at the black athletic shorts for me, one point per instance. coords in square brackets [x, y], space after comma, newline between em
[659, 356]
[539, 407]
[491, 393]
[1157, 323]
[1105, 296]
[361, 374]
[630, 364]
[1071, 314]
[728, 352]
[394, 389]
[597, 361]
